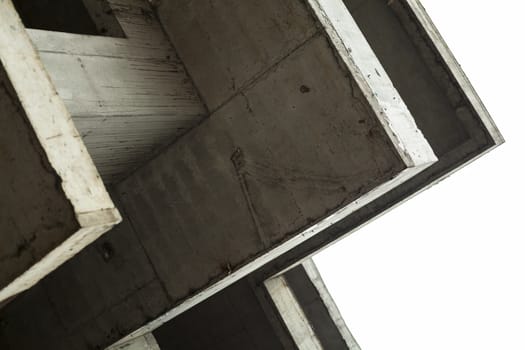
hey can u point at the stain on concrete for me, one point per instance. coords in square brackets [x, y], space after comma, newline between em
[35, 215]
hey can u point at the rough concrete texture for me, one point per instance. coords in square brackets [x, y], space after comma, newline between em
[439, 97]
[279, 154]
[315, 310]
[35, 215]
[57, 204]
[240, 317]
[226, 45]
[255, 177]
[129, 97]
[189, 192]
[106, 290]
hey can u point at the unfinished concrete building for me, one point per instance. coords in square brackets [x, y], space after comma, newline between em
[168, 167]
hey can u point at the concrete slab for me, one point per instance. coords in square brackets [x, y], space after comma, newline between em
[439, 96]
[52, 200]
[191, 245]
[129, 96]
[316, 132]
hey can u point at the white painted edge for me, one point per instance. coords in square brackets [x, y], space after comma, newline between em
[292, 314]
[458, 73]
[146, 342]
[66, 153]
[277, 251]
[245, 270]
[49, 117]
[66, 250]
[395, 117]
[90, 45]
[331, 306]
[359, 58]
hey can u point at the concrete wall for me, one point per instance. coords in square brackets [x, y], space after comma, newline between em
[53, 202]
[192, 236]
[89, 302]
[439, 96]
[319, 309]
[128, 96]
[291, 141]
[35, 214]
[240, 317]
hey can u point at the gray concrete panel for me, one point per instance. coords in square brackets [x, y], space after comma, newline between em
[35, 214]
[53, 202]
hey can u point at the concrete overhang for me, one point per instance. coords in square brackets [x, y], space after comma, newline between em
[407, 47]
[437, 92]
[52, 200]
[314, 129]
[80, 111]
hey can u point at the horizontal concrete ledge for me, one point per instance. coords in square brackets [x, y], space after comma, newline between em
[433, 85]
[373, 87]
[56, 203]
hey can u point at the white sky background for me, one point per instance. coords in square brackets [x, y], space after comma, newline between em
[446, 270]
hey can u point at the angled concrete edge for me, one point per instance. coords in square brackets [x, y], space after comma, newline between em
[410, 144]
[61, 144]
[452, 161]
[331, 306]
[424, 19]
[356, 53]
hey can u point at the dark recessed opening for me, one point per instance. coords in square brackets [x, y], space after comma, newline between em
[91, 17]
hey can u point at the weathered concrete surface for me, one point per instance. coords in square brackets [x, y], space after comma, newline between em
[416, 81]
[300, 140]
[227, 45]
[319, 308]
[277, 159]
[51, 198]
[439, 96]
[254, 177]
[129, 97]
[241, 316]
[35, 214]
[245, 316]
[107, 289]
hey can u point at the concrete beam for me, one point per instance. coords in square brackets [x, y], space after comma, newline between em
[130, 96]
[429, 81]
[52, 200]
[241, 316]
[439, 96]
[314, 134]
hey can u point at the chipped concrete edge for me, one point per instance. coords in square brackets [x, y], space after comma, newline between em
[61, 143]
[360, 60]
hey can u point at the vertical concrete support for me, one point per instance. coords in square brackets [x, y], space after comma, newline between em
[52, 200]
[292, 314]
[326, 299]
